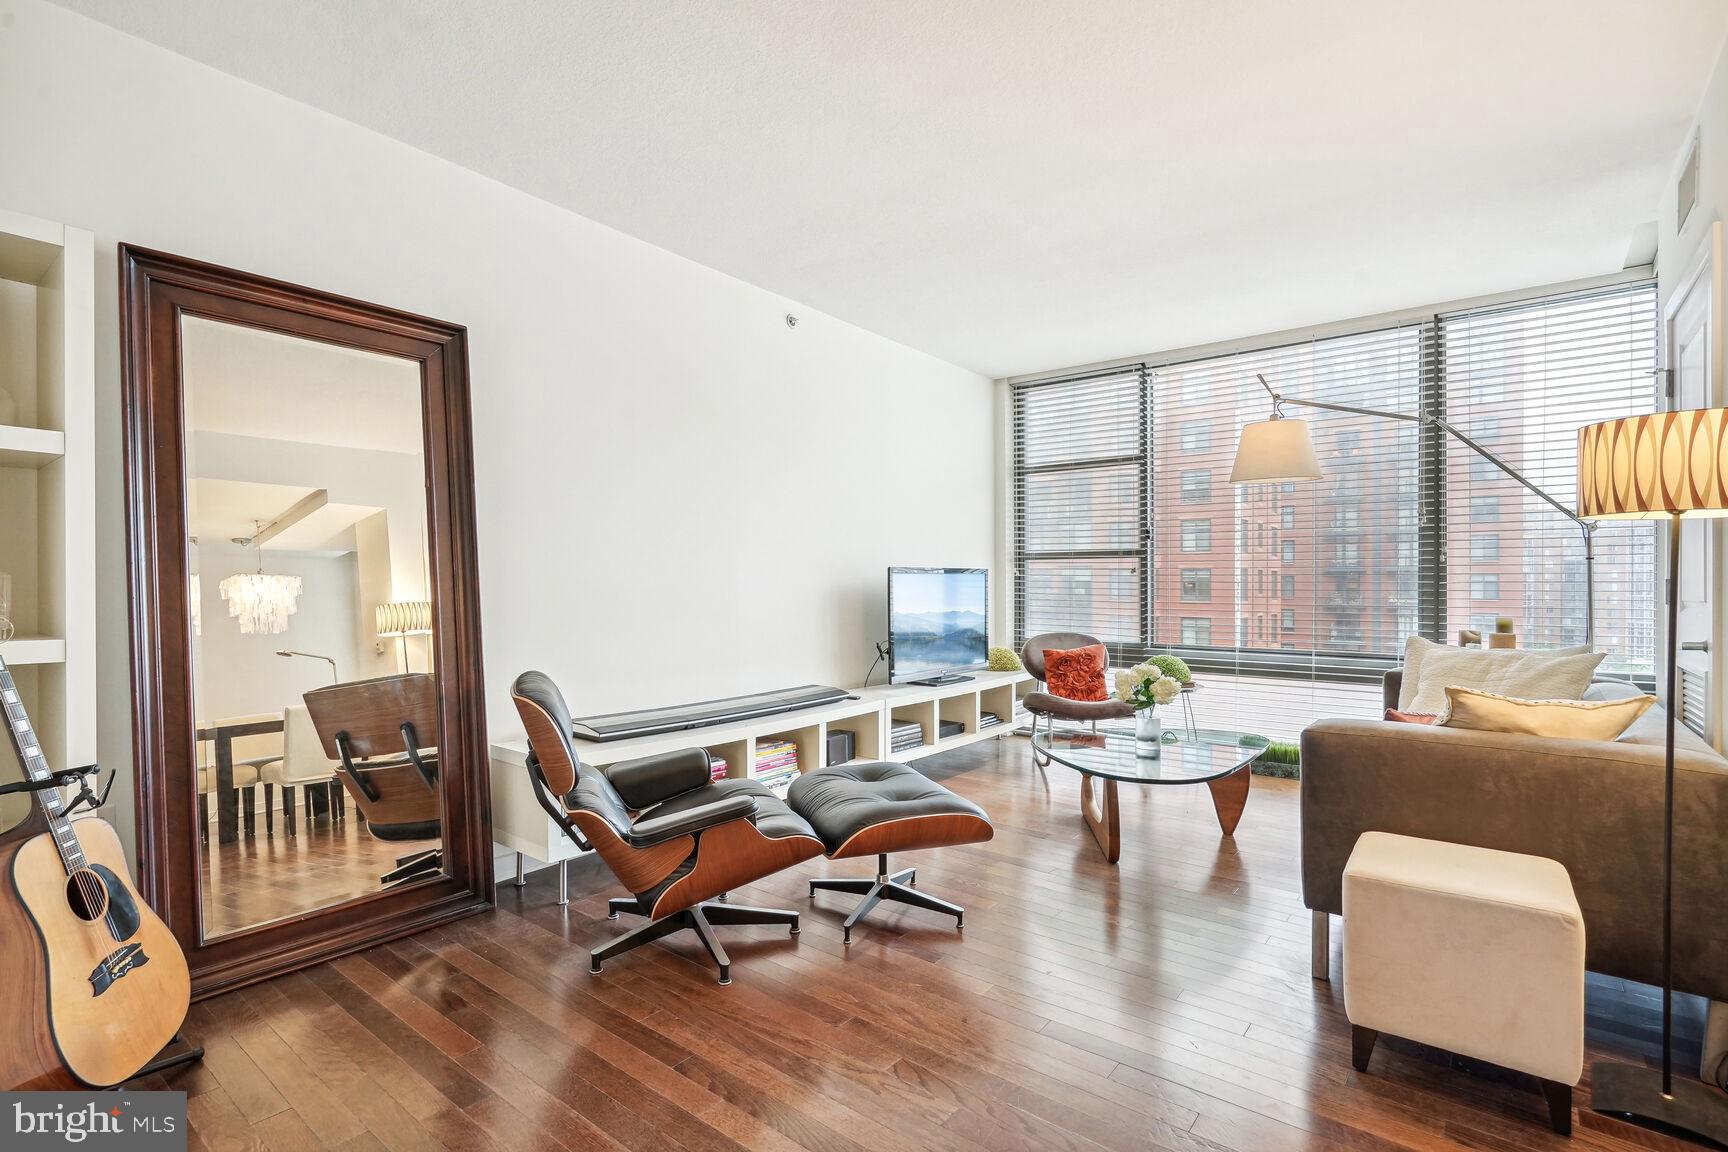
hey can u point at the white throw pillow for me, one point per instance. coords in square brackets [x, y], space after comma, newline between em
[1506, 671]
[1416, 650]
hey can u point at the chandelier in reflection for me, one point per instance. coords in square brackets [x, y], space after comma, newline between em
[260, 601]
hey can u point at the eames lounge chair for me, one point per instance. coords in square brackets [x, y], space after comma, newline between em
[384, 734]
[673, 836]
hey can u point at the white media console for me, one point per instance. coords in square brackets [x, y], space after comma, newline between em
[523, 827]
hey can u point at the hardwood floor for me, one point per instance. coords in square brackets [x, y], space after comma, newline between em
[262, 878]
[1161, 1004]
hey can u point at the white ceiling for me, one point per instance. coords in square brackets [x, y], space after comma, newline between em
[220, 511]
[1017, 184]
[250, 382]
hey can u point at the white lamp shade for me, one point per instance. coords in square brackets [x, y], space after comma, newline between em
[1273, 450]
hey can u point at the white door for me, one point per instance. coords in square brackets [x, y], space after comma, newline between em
[1693, 335]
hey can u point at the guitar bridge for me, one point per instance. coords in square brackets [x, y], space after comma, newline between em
[116, 964]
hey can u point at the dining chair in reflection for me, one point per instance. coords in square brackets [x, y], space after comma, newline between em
[305, 767]
[240, 746]
[245, 780]
[384, 735]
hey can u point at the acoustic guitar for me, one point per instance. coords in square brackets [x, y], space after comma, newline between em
[97, 985]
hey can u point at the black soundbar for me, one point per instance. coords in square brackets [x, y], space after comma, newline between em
[706, 714]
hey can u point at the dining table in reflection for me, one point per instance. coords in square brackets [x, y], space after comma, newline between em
[222, 735]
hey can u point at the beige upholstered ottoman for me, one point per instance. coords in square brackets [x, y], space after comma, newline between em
[1477, 952]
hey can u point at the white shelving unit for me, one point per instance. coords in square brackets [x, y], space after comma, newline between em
[48, 482]
[521, 825]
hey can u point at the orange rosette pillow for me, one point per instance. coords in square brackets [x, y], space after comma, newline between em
[1077, 673]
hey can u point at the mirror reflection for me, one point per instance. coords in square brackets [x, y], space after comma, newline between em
[314, 692]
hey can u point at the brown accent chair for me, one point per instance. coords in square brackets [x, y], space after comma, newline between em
[384, 734]
[1051, 707]
[671, 834]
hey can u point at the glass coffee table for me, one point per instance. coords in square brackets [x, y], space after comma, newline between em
[1210, 756]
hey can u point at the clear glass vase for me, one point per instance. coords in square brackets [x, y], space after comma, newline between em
[1148, 732]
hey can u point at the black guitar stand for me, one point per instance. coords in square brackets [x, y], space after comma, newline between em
[191, 1055]
[86, 800]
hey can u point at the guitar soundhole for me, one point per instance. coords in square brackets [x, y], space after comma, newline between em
[86, 894]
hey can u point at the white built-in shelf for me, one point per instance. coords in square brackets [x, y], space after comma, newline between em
[21, 650]
[29, 447]
[48, 478]
[520, 824]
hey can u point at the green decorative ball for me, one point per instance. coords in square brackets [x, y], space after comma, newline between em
[1173, 667]
[1004, 660]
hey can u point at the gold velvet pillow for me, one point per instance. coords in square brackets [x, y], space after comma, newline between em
[1572, 719]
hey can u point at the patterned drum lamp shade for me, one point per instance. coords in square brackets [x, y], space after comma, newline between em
[1657, 466]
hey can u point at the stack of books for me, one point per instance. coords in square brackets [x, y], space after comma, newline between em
[716, 768]
[988, 720]
[776, 764]
[905, 734]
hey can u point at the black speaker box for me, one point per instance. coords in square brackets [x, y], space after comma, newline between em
[842, 746]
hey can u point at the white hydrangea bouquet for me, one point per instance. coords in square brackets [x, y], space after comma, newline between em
[1145, 686]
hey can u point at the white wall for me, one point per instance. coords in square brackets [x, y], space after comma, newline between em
[679, 496]
[240, 675]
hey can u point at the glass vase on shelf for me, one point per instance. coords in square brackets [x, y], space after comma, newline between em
[1148, 732]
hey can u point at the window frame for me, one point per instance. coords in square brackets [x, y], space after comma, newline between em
[1436, 454]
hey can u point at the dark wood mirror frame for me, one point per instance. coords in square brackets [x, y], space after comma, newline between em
[156, 290]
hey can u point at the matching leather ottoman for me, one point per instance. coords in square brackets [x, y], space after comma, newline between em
[1470, 950]
[875, 808]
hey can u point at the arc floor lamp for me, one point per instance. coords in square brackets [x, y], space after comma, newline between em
[1660, 466]
[1280, 449]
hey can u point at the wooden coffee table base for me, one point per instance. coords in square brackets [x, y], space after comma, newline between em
[1230, 796]
[1104, 819]
[1104, 814]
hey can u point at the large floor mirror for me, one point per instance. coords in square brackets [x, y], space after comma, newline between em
[309, 737]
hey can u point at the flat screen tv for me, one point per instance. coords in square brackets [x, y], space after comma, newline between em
[937, 624]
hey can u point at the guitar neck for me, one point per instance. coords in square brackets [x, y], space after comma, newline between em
[35, 766]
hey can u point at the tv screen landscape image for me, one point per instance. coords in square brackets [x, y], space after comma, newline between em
[937, 621]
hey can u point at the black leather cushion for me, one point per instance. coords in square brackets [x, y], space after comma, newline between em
[645, 782]
[594, 793]
[535, 692]
[773, 818]
[842, 801]
[421, 830]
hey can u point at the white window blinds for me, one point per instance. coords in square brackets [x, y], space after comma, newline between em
[1521, 380]
[1294, 598]
[1081, 506]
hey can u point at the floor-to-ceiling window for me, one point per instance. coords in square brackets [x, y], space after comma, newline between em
[1121, 483]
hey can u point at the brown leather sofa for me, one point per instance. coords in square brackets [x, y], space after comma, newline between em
[1595, 806]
